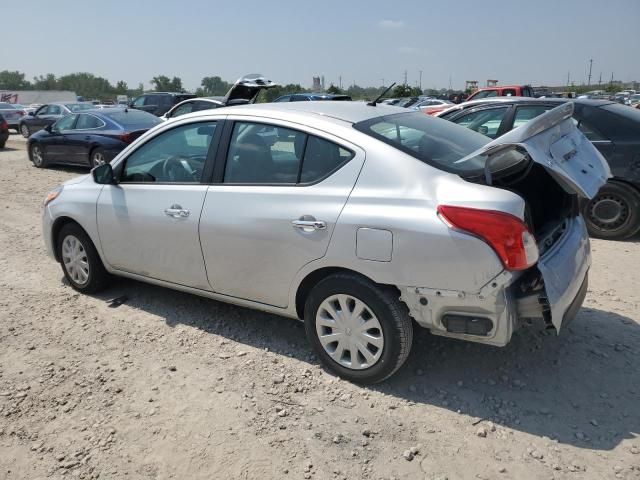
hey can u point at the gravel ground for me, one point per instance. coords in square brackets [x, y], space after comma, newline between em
[169, 385]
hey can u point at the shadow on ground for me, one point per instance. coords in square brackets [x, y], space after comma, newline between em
[580, 388]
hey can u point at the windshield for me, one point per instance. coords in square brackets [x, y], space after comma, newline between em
[76, 107]
[130, 118]
[432, 140]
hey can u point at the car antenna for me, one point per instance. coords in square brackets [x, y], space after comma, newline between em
[373, 102]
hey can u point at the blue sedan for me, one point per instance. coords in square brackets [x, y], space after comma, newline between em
[88, 138]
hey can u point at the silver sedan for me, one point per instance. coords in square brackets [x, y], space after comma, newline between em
[361, 220]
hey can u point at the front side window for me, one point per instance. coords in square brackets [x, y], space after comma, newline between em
[138, 102]
[175, 156]
[65, 123]
[266, 154]
[509, 92]
[42, 110]
[86, 121]
[528, 112]
[153, 100]
[486, 122]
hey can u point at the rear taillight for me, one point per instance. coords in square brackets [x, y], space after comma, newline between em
[4, 125]
[125, 137]
[506, 234]
[22, 113]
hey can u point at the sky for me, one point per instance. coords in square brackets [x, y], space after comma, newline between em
[539, 42]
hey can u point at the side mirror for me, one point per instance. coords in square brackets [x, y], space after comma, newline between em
[31, 114]
[49, 128]
[103, 174]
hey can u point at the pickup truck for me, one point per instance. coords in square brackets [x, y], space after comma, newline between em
[502, 91]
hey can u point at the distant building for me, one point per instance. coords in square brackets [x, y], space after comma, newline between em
[471, 85]
[492, 83]
[28, 97]
[317, 86]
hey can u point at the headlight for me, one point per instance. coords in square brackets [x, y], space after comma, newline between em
[52, 195]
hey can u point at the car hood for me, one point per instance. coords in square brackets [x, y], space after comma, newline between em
[246, 89]
[553, 141]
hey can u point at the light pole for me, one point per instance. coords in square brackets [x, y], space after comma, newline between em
[590, 67]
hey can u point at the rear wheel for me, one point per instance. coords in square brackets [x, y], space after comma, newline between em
[614, 213]
[37, 156]
[25, 131]
[360, 330]
[97, 157]
[80, 261]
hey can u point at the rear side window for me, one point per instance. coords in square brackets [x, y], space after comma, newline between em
[528, 112]
[486, 121]
[266, 154]
[88, 121]
[432, 140]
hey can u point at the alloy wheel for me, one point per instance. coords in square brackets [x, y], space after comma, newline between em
[349, 332]
[74, 259]
[97, 158]
[24, 129]
[36, 155]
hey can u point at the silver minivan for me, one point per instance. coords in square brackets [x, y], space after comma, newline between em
[364, 221]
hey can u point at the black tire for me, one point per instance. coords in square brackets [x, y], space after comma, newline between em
[2, 145]
[97, 157]
[36, 154]
[97, 278]
[385, 304]
[25, 130]
[614, 213]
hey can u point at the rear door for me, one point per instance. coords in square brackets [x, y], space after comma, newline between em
[84, 134]
[277, 195]
[148, 222]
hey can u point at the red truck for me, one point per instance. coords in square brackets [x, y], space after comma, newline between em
[502, 91]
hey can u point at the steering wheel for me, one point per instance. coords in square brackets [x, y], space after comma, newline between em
[178, 169]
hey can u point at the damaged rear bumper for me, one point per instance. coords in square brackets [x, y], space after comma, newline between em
[492, 314]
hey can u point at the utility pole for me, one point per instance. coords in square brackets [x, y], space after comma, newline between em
[590, 67]
[568, 78]
[421, 80]
[405, 77]
[600, 80]
[340, 82]
[383, 82]
[449, 82]
[611, 82]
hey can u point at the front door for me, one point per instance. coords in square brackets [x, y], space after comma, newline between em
[55, 145]
[274, 209]
[148, 222]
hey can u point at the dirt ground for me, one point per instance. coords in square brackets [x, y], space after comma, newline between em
[169, 385]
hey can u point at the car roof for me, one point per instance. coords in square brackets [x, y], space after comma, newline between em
[350, 112]
[167, 93]
[530, 100]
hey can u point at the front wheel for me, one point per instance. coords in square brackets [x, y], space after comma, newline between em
[25, 131]
[360, 330]
[614, 213]
[80, 261]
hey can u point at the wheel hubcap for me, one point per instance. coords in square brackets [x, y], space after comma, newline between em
[349, 332]
[98, 158]
[74, 258]
[25, 130]
[37, 155]
[609, 212]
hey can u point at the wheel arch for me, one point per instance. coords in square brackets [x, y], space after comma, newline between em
[315, 277]
[57, 227]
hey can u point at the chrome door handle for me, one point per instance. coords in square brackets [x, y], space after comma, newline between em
[176, 211]
[309, 224]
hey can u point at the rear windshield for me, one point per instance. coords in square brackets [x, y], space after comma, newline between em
[132, 117]
[625, 111]
[76, 107]
[432, 140]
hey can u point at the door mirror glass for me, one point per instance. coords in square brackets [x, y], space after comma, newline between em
[103, 174]
[49, 128]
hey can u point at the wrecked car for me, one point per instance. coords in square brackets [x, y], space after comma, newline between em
[357, 219]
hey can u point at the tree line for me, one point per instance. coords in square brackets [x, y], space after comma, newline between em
[90, 86]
